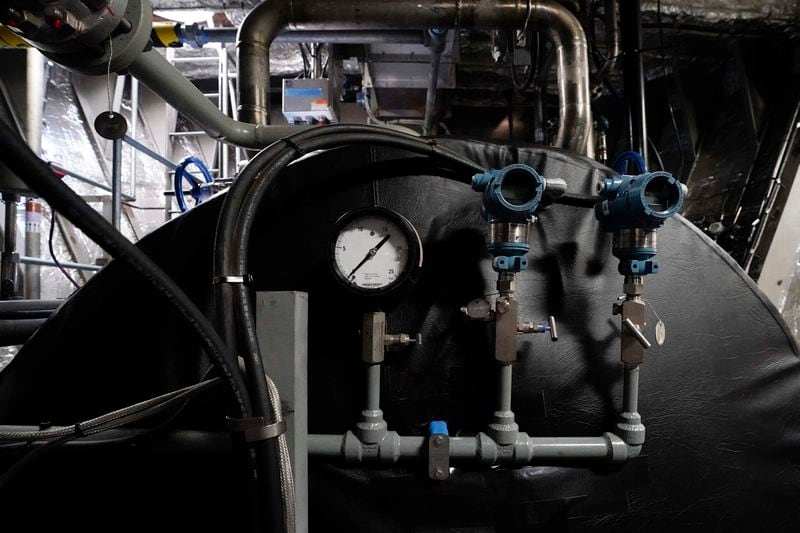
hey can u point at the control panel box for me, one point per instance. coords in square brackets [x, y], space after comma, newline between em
[309, 101]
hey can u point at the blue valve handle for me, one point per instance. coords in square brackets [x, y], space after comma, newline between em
[197, 192]
[622, 163]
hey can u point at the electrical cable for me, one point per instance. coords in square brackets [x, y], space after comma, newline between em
[53, 252]
[265, 166]
[667, 91]
[656, 153]
[112, 420]
[17, 155]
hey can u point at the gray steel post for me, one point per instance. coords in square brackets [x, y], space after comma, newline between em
[283, 339]
[33, 247]
[116, 185]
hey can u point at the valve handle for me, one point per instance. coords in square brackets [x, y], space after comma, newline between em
[638, 335]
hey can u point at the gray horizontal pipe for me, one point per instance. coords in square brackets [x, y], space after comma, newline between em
[66, 264]
[162, 78]
[15, 332]
[481, 448]
[89, 181]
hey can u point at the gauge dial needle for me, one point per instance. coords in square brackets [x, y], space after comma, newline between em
[370, 255]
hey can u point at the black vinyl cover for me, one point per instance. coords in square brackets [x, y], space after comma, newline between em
[719, 399]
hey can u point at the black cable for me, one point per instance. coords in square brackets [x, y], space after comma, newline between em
[17, 155]
[53, 252]
[50, 445]
[667, 92]
[233, 228]
[577, 200]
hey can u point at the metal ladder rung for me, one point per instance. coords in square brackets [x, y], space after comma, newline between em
[211, 95]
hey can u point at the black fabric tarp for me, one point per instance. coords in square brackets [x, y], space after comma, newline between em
[719, 399]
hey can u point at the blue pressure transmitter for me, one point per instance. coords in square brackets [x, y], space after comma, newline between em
[633, 207]
[510, 197]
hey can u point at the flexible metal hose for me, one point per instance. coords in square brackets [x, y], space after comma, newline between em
[286, 473]
[126, 413]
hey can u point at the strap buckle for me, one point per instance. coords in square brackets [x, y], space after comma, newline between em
[256, 429]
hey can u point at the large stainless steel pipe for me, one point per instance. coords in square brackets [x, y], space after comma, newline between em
[265, 22]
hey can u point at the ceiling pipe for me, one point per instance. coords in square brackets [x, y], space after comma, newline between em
[262, 25]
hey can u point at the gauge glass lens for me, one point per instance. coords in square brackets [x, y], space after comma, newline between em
[371, 252]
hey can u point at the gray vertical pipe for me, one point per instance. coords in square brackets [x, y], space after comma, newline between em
[630, 389]
[116, 185]
[506, 374]
[374, 387]
[33, 247]
[438, 42]
[134, 130]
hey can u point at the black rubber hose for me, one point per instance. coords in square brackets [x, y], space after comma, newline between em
[276, 157]
[15, 332]
[578, 200]
[16, 154]
[29, 309]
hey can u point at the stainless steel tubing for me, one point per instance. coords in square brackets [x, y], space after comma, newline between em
[264, 23]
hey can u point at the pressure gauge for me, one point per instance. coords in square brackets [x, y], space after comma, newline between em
[375, 251]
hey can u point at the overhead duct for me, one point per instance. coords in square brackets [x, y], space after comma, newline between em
[265, 22]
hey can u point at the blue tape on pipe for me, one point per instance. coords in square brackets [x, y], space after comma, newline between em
[438, 427]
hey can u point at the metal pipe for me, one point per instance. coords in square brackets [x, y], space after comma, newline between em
[16, 332]
[374, 387]
[633, 75]
[70, 174]
[16, 309]
[10, 257]
[33, 247]
[258, 30]
[630, 389]
[137, 146]
[438, 42]
[506, 374]
[162, 78]
[116, 185]
[228, 35]
[479, 448]
[263, 24]
[134, 130]
[66, 264]
[612, 41]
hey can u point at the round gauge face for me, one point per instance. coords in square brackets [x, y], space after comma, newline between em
[374, 250]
